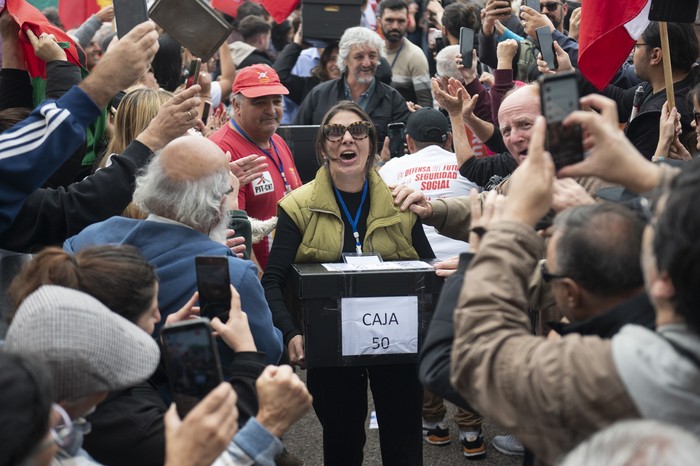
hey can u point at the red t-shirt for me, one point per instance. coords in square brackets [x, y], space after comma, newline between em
[259, 198]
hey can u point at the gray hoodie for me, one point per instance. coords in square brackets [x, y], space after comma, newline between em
[663, 383]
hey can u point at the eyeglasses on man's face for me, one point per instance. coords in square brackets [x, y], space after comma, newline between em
[548, 277]
[61, 434]
[550, 6]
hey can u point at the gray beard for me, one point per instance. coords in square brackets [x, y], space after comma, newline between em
[218, 232]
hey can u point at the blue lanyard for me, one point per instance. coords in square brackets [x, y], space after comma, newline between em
[398, 52]
[279, 166]
[353, 222]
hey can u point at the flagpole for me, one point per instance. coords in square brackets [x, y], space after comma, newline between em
[668, 74]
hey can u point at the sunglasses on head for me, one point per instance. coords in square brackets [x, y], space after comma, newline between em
[550, 6]
[358, 130]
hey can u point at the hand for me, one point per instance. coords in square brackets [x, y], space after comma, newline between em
[231, 201]
[449, 98]
[46, 47]
[236, 331]
[282, 397]
[677, 151]
[248, 168]
[435, 9]
[484, 215]
[568, 193]
[447, 267]
[563, 61]
[493, 11]
[575, 24]
[385, 154]
[218, 119]
[299, 37]
[505, 51]
[186, 312]
[173, 119]
[532, 20]
[235, 243]
[408, 198]
[669, 129]
[106, 14]
[412, 106]
[205, 432]
[612, 156]
[295, 348]
[468, 74]
[530, 194]
[123, 63]
[487, 79]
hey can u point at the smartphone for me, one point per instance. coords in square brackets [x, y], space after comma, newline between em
[544, 38]
[128, 14]
[396, 139]
[192, 362]
[213, 284]
[559, 97]
[534, 4]
[193, 75]
[466, 45]
[205, 111]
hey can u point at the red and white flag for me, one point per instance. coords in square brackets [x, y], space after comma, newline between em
[609, 29]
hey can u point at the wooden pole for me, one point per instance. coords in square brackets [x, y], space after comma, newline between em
[668, 74]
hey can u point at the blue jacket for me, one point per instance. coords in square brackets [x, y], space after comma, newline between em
[34, 148]
[171, 249]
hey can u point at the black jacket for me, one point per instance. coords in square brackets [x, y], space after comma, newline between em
[385, 106]
[643, 130]
[50, 216]
[634, 311]
[434, 365]
[128, 427]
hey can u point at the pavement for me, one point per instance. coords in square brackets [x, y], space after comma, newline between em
[304, 440]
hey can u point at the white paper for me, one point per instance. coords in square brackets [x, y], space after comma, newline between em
[373, 423]
[394, 265]
[362, 260]
[379, 325]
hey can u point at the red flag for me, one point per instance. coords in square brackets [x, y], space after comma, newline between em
[609, 29]
[230, 7]
[280, 9]
[29, 17]
[73, 13]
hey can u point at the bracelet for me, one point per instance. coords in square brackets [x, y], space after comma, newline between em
[478, 231]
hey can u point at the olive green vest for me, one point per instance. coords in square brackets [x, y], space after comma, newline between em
[314, 210]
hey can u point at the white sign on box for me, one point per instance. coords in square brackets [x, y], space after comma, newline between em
[384, 325]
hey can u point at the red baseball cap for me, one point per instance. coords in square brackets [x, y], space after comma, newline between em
[257, 81]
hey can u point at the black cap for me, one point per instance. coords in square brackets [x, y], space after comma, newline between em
[427, 125]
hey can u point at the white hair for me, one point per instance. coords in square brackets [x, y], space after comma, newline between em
[445, 62]
[195, 203]
[637, 443]
[357, 36]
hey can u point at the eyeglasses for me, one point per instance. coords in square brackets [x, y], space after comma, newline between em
[229, 191]
[550, 6]
[639, 45]
[548, 277]
[358, 130]
[62, 433]
[696, 115]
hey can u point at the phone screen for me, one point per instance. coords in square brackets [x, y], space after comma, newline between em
[559, 95]
[396, 139]
[205, 111]
[193, 75]
[128, 14]
[466, 45]
[213, 283]
[544, 38]
[192, 362]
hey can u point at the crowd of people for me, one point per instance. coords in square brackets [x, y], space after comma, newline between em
[569, 312]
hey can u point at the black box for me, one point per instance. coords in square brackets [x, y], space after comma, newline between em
[316, 305]
[329, 19]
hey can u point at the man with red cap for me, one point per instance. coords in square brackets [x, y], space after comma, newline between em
[257, 111]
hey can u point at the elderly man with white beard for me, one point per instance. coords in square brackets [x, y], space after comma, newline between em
[187, 192]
